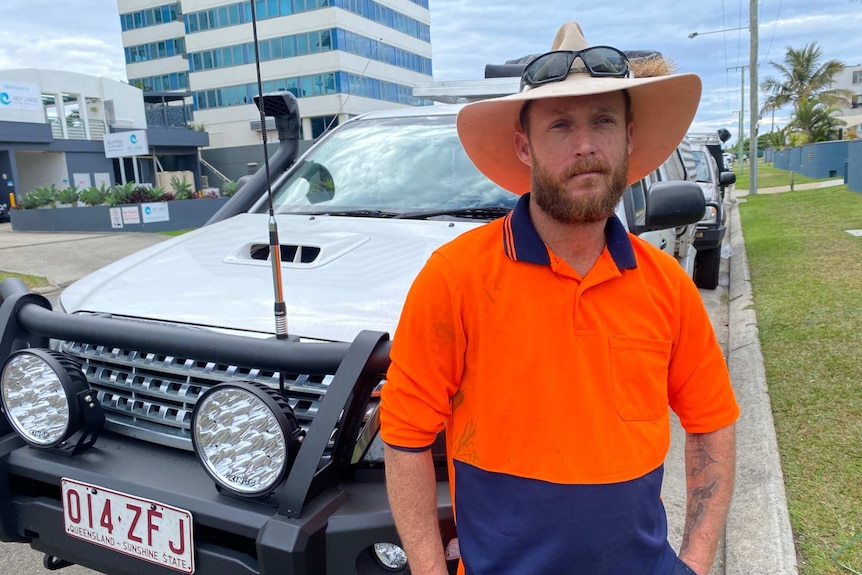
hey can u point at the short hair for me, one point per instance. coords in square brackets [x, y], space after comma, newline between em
[524, 119]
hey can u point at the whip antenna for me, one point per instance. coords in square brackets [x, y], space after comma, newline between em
[274, 246]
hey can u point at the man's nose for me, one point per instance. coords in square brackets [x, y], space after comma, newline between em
[582, 141]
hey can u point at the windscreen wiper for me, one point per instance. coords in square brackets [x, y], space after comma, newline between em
[353, 213]
[479, 213]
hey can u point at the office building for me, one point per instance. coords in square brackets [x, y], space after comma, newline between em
[54, 126]
[339, 57]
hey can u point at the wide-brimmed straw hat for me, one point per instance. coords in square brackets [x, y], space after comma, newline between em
[662, 109]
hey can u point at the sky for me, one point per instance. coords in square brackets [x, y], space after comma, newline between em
[84, 36]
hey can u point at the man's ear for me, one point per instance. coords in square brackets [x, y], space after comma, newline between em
[522, 148]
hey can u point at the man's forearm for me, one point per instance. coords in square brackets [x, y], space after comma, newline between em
[412, 487]
[710, 465]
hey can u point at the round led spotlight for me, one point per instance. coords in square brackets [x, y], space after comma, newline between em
[244, 434]
[390, 556]
[40, 395]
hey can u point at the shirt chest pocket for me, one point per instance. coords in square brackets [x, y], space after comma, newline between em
[639, 372]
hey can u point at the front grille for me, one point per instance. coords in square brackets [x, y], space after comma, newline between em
[151, 396]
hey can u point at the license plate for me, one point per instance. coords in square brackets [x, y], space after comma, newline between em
[142, 528]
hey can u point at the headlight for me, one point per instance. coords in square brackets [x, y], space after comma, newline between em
[245, 435]
[390, 556]
[43, 395]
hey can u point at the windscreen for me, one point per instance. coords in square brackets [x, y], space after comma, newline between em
[701, 166]
[394, 165]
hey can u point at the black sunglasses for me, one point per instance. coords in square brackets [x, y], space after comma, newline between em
[599, 61]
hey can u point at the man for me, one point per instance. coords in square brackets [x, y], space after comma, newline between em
[550, 343]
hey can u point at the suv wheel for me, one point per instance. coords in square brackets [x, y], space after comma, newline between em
[706, 266]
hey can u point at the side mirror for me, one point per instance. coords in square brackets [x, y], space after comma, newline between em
[726, 178]
[321, 186]
[673, 204]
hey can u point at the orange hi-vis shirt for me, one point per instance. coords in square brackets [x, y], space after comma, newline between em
[554, 392]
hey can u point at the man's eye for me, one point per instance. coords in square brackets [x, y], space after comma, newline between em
[606, 121]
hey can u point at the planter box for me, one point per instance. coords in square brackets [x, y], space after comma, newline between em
[155, 217]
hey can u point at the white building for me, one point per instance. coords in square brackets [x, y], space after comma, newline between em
[339, 57]
[53, 123]
[851, 79]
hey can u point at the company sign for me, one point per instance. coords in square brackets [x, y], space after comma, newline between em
[124, 144]
[18, 96]
[156, 212]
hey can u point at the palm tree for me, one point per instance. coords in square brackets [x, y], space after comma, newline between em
[814, 119]
[774, 139]
[805, 77]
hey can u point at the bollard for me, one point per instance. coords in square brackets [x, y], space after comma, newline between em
[791, 180]
[12, 205]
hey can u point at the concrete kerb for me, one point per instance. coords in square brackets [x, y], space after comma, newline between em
[759, 538]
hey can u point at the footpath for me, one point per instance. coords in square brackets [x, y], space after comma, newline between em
[779, 189]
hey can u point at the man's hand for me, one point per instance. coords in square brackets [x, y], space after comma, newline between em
[412, 487]
[710, 466]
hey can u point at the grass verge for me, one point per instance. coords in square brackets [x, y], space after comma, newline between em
[768, 176]
[805, 274]
[174, 233]
[30, 281]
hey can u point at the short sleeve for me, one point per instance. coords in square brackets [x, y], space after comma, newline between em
[699, 387]
[427, 360]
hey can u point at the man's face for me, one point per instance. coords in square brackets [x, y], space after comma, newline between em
[577, 148]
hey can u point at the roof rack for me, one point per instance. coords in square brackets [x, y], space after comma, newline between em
[703, 138]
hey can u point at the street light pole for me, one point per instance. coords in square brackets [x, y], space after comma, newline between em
[755, 107]
[755, 104]
[694, 34]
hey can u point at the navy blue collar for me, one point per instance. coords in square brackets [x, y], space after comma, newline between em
[521, 241]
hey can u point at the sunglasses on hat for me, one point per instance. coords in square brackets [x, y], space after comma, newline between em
[599, 61]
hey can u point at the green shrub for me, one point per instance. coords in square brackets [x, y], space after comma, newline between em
[134, 193]
[94, 196]
[30, 201]
[40, 197]
[229, 188]
[145, 194]
[120, 194]
[181, 188]
[69, 196]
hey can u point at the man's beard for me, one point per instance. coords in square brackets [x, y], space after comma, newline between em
[550, 193]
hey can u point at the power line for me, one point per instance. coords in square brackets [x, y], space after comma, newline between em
[774, 27]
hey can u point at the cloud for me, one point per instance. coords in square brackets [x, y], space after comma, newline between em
[81, 36]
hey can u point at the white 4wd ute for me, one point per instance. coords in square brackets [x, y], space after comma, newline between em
[155, 424]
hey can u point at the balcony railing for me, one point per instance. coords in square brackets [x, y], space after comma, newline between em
[168, 116]
[75, 130]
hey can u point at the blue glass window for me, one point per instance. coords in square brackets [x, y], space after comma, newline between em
[275, 46]
[149, 17]
[241, 12]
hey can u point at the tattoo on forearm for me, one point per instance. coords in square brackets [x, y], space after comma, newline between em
[695, 511]
[698, 460]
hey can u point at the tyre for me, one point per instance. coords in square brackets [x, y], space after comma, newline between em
[706, 266]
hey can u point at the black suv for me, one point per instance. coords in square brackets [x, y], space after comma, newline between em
[713, 180]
